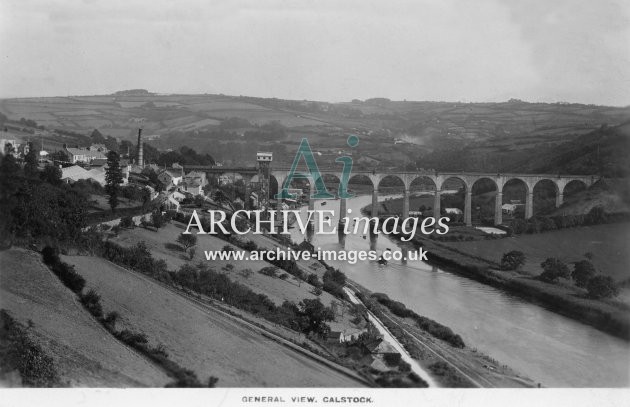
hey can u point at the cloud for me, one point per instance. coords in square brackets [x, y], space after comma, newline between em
[326, 50]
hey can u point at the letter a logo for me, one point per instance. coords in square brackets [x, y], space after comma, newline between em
[314, 175]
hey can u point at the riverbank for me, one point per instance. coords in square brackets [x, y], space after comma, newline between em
[451, 366]
[607, 316]
[563, 300]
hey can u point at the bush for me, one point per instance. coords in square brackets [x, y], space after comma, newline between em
[602, 286]
[313, 280]
[434, 328]
[583, 271]
[50, 255]
[132, 339]
[36, 368]
[187, 240]
[268, 271]
[553, 270]
[110, 320]
[250, 246]
[126, 222]
[512, 260]
[334, 281]
[69, 277]
[92, 302]
[65, 272]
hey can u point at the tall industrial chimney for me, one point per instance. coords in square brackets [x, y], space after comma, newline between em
[140, 159]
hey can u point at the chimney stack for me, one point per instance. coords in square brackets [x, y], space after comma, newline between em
[140, 160]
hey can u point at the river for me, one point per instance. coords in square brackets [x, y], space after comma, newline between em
[547, 347]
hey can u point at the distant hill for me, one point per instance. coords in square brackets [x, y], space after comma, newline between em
[133, 92]
[397, 134]
[604, 151]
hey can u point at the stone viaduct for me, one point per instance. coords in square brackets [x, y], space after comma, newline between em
[437, 181]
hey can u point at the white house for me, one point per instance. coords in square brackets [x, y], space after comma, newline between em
[86, 155]
[75, 173]
[170, 177]
[508, 209]
[453, 211]
[191, 186]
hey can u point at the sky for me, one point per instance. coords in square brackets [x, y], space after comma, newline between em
[328, 50]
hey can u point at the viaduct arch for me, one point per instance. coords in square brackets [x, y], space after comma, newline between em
[438, 179]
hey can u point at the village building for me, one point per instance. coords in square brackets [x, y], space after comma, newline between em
[85, 155]
[508, 209]
[99, 147]
[335, 337]
[191, 186]
[194, 182]
[453, 211]
[75, 173]
[8, 145]
[170, 177]
[383, 351]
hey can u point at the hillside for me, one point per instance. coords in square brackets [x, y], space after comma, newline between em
[289, 288]
[613, 195]
[440, 135]
[84, 353]
[206, 341]
[604, 151]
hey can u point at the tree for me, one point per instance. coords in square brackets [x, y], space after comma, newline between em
[31, 169]
[42, 210]
[97, 137]
[313, 280]
[191, 253]
[92, 302]
[222, 199]
[315, 315]
[553, 270]
[246, 273]
[9, 170]
[602, 286]
[157, 219]
[583, 271]
[51, 174]
[512, 260]
[113, 178]
[187, 241]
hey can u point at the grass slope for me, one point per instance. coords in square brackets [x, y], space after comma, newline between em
[85, 354]
[207, 342]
